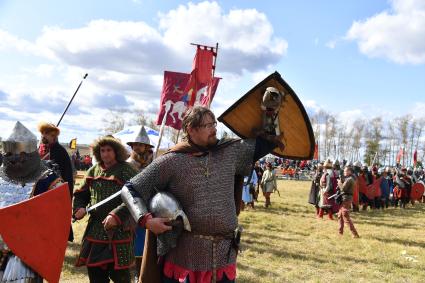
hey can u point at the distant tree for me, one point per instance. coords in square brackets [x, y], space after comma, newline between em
[139, 118]
[113, 123]
[356, 135]
[372, 139]
[402, 126]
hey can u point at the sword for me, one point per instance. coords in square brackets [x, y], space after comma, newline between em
[100, 203]
[333, 196]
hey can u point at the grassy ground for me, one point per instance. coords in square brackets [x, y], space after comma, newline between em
[286, 243]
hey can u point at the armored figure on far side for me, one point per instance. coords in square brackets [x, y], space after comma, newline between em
[22, 176]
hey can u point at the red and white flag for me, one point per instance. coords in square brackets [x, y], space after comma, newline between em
[176, 100]
[201, 74]
[172, 99]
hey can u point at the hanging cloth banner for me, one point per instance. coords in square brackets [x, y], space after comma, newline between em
[201, 73]
[176, 100]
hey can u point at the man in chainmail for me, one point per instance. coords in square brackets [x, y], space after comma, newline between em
[22, 176]
[206, 176]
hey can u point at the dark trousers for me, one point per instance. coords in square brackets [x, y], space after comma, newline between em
[102, 275]
[170, 280]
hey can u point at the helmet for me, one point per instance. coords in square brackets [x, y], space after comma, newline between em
[272, 98]
[142, 137]
[164, 204]
[357, 164]
[20, 140]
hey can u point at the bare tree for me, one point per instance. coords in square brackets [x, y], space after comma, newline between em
[356, 138]
[402, 126]
[113, 123]
[372, 139]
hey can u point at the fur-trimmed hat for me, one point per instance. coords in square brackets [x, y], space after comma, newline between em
[121, 153]
[44, 127]
[328, 164]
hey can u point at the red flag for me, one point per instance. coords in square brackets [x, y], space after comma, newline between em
[316, 152]
[201, 74]
[399, 155]
[174, 97]
[209, 94]
[415, 158]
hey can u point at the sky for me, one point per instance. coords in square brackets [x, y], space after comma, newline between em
[353, 58]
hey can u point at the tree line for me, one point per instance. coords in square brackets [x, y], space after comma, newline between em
[372, 140]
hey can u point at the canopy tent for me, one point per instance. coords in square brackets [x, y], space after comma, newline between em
[129, 134]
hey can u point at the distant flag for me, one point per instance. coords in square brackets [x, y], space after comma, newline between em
[399, 155]
[316, 152]
[73, 143]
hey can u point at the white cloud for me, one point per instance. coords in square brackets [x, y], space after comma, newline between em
[125, 61]
[11, 42]
[397, 35]
[331, 44]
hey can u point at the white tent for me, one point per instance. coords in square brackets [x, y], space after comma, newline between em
[129, 134]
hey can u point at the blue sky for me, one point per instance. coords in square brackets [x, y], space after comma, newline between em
[355, 58]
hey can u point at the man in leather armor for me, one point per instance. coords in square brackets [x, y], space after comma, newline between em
[205, 175]
[22, 176]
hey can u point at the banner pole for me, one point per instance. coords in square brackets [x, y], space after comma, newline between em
[161, 131]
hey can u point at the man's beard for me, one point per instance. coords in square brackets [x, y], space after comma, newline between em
[144, 158]
[212, 140]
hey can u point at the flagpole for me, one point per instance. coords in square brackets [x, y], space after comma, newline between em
[161, 131]
[213, 73]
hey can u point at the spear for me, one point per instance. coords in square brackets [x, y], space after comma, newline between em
[72, 98]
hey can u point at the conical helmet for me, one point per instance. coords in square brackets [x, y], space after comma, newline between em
[142, 137]
[20, 140]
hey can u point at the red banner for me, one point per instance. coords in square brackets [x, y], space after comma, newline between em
[316, 152]
[201, 73]
[399, 155]
[176, 100]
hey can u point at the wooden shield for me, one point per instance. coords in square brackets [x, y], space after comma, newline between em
[246, 114]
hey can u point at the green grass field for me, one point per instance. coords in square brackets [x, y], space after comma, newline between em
[286, 243]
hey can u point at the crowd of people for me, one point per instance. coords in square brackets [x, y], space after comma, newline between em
[174, 218]
[81, 162]
[371, 188]
[198, 184]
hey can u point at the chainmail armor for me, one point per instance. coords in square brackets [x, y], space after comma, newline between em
[204, 186]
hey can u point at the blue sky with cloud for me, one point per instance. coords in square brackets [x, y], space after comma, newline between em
[357, 56]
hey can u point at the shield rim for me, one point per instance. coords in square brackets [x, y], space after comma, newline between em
[279, 78]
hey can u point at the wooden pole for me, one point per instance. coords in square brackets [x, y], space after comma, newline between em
[161, 130]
